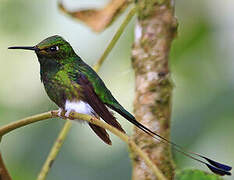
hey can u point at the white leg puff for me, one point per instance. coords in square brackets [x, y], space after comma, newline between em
[79, 107]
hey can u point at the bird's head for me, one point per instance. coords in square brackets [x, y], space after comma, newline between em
[53, 48]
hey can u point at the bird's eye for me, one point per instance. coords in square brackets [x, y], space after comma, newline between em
[54, 48]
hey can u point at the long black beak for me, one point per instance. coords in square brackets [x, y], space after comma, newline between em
[33, 48]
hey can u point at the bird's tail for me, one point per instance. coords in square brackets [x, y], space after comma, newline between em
[215, 167]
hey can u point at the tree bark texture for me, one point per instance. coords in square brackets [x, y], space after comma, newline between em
[155, 29]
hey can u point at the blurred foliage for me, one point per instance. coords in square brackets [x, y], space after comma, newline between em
[202, 69]
[195, 175]
[23, 13]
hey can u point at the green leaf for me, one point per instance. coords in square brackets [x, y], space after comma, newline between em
[189, 174]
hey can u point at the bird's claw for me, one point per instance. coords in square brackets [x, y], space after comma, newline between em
[69, 113]
[65, 114]
[60, 112]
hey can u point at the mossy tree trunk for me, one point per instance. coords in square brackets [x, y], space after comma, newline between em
[155, 29]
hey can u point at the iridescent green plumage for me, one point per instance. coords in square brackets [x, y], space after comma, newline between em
[67, 79]
[60, 73]
[62, 79]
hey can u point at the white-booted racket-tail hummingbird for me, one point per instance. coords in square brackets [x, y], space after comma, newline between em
[75, 87]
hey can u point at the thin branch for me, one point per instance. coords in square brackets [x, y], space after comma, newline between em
[23, 122]
[62, 135]
[118, 133]
[4, 175]
[115, 38]
[54, 151]
[125, 138]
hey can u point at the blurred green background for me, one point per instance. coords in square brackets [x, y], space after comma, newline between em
[203, 99]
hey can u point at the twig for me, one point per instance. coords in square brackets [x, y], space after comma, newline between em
[62, 135]
[121, 135]
[115, 38]
[54, 151]
[23, 122]
[4, 175]
[125, 138]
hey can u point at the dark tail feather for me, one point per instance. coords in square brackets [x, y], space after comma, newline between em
[217, 164]
[214, 166]
[101, 133]
[218, 171]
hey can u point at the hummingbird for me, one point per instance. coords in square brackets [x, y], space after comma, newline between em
[75, 87]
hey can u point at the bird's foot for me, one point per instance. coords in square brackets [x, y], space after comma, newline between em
[65, 114]
[68, 113]
[60, 112]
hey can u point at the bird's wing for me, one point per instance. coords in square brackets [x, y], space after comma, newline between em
[106, 98]
[92, 98]
[104, 93]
